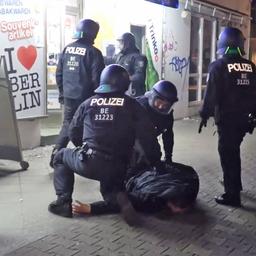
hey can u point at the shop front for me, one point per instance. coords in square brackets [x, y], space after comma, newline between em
[179, 44]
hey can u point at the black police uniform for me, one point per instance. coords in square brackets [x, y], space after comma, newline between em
[230, 98]
[163, 126]
[78, 73]
[135, 64]
[106, 125]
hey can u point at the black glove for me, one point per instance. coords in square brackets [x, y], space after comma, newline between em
[202, 123]
[168, 160]
[61, 99]
[160, 167]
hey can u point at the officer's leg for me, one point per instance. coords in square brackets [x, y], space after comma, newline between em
[230, 139]
[63, 184]
[70, 107]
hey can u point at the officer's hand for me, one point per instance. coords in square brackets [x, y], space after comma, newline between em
[61, 99]
[202, 123]
[160, 167]
[168, 161]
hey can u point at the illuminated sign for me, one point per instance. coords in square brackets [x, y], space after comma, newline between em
[168, 3]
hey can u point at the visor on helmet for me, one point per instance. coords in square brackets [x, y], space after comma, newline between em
[159, 104]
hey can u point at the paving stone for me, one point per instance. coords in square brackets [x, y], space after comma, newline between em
[209, 230]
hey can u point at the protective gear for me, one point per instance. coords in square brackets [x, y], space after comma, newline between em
[162, 97]
[202, 123]
[231, 39]
[86, 29]
[54, 152]
[163, 125]
[128, 40]
[135, 63]
[77, 76]
[114, 78]
[230, 97]
[103, 123]
[61, 99]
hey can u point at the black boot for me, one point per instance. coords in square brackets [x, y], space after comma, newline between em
[54, 152]
[128, 212]
[229, 199]
[61, 207]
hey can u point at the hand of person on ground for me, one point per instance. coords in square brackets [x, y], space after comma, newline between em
[81, 208]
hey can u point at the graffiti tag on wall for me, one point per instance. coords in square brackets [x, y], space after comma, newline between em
[179, 64]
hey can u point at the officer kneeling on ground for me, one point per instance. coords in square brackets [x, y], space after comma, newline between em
[231, 98]
[106, 126]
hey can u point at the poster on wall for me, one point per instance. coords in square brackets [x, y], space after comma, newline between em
[153, 46]
[22, 36]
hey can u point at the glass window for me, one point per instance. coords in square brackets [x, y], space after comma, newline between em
[194, 59]
[202, 53]
[207, 42]
[194, 45]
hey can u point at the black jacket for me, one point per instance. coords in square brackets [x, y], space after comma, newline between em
[150, 190]
[78, 71]
[163, 125]
[110, 124]
[135, 64]
[231, 89]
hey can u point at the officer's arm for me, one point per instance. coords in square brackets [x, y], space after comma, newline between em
[76, 126]
[140, 66]
[59, 77]
[168, 140]
[146, 135]
[97, 65]
[209, 103]
[104, 207]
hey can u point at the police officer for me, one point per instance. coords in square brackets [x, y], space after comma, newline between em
[77, 75]
[106, 126]
[230, 98]
[158, 103]
[135, 63]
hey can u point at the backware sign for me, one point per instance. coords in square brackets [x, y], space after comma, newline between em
[22, 36]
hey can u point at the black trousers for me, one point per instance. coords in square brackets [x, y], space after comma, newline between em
[110, 173]
[70, 107]
[231, 134]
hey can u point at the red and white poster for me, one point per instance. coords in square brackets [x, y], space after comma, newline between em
[22, 36]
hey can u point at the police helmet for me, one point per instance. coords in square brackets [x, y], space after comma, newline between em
[114, 78]
[128, 39]
[231, 39]
[86, 29]
[162, 97]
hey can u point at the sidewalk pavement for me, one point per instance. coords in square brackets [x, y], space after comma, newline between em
[27, 228]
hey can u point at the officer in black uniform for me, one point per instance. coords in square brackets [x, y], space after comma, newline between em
[135, 63]
[77, 75]
[231, 98]
[106, 126]
[158, 103]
